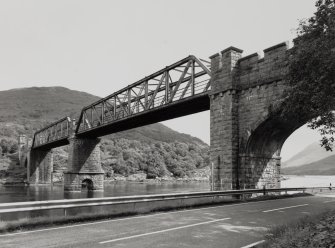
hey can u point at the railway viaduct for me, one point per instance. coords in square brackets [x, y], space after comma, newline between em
[243, 95]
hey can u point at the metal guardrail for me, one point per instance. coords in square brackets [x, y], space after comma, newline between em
[75, 203]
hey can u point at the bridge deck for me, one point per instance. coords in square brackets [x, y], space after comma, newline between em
[183, 107]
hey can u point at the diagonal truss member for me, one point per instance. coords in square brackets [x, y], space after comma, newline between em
[185, 78]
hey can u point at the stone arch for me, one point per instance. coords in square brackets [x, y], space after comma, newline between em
[260, 160]
[87, 183]
[269, 136]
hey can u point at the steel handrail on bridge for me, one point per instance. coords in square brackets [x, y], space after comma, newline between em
[75, 203]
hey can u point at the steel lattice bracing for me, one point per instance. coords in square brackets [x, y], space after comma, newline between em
[182, 81]
[177, 90]
[53, 135]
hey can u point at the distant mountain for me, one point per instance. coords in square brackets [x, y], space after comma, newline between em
[41, 103]
[158, 132]
[312, 153]
[325, 166]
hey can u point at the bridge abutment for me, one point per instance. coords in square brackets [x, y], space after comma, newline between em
[247, 131]
[84, 165]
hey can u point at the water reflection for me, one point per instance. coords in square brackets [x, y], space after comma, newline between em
[83, 194]
[56, 192]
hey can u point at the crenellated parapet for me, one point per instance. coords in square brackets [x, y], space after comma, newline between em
[256, 70]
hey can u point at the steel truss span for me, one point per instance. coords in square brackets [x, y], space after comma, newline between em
[184, 79]
[179, 89]
[53, 134]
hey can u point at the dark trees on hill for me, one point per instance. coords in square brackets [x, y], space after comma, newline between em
[156, 160]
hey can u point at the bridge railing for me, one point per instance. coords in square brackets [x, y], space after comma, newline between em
[186, 78]
[53, 132]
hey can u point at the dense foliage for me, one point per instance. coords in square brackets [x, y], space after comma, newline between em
[312, 73]
[9, 133]
[125, 157]
[315, 230]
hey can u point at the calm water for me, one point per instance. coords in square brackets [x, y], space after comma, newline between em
[55, 192]
[35, 193]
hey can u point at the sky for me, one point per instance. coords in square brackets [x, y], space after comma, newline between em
[102, 46]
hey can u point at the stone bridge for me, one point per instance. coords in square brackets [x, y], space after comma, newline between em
[243, 95]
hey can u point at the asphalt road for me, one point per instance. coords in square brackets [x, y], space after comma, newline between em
[237, 225]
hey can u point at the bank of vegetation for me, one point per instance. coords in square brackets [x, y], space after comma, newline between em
[308, 232]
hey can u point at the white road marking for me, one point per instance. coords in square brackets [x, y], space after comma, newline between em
[162, 231]
[276, 209]
[329, 201]
[253, 244]
[134, 217]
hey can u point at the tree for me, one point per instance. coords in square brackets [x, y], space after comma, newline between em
[311, 74]
[8, 145]
[156, 166]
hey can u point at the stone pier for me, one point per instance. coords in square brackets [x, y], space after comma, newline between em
[224, 119]
[84, 165]
[40, 167]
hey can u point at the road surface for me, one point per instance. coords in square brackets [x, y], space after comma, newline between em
[238, 225]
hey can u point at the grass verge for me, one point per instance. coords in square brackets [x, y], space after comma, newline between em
[309, 232]
[48, 221]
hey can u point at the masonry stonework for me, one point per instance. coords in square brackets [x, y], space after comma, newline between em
[84, 163]
[40, 167]
[246, 133]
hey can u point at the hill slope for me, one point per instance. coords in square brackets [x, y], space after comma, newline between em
[41, 103]
[312, 153]
[325, 166]
[158, 132]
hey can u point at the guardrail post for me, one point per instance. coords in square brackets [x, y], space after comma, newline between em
[264, 190]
